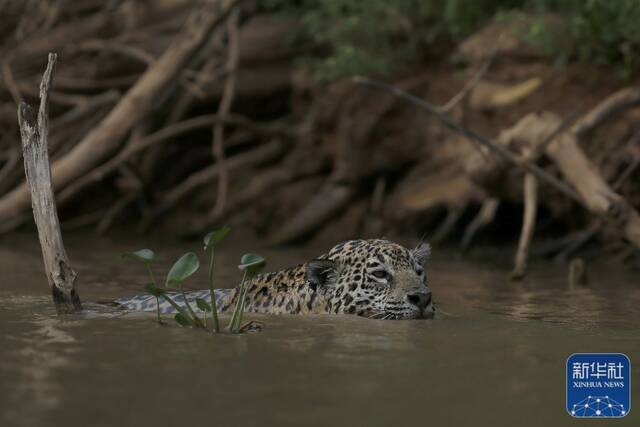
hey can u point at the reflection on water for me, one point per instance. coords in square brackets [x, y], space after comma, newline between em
[494, 356]
[33, 355]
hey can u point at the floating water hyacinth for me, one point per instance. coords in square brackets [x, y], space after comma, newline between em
[186, 266]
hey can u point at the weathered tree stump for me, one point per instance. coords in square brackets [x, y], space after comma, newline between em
[34, 133]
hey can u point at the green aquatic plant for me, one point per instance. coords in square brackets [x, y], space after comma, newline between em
[250, 265]
[210, 242]
[185, 267]
[181, 270]
[204, 306]
[147, 256]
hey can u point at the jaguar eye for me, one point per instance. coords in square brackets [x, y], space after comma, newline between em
[381, 274]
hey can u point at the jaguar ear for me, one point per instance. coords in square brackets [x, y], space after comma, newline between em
[321, 272]
[422, 253]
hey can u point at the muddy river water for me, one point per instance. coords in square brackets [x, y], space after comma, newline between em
[495, 355]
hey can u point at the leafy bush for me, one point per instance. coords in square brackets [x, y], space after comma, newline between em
[381, 36]
[606, 32]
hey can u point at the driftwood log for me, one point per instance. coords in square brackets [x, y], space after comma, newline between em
[35, 145]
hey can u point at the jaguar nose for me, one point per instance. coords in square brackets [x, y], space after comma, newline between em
[420, 300]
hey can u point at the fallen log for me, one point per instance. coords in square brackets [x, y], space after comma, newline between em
[34, 134]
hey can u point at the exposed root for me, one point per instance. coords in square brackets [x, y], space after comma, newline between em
[528, 227]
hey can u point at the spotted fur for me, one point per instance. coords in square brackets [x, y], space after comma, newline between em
[372, 278]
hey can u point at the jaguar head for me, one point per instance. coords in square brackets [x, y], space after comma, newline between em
[373, 278]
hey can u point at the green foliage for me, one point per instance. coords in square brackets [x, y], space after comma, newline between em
[600, 32]
[215, 237]
[210, 242]
[182, 320]
[378, 37]
[144, 255]
[153, 290]
[147, 256]
[183, 269]
[607, 32]
[251, 264]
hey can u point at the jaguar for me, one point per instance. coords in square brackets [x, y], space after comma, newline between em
[373, 278]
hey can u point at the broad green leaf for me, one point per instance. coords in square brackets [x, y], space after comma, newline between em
[182, 320]
[203, 305]
[215, 237]
[153, 290]
[182, 269]
[251, 263]
[144, 255]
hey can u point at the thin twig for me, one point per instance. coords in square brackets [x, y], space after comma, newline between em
[472, 83]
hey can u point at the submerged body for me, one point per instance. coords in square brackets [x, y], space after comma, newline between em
[372, 278]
